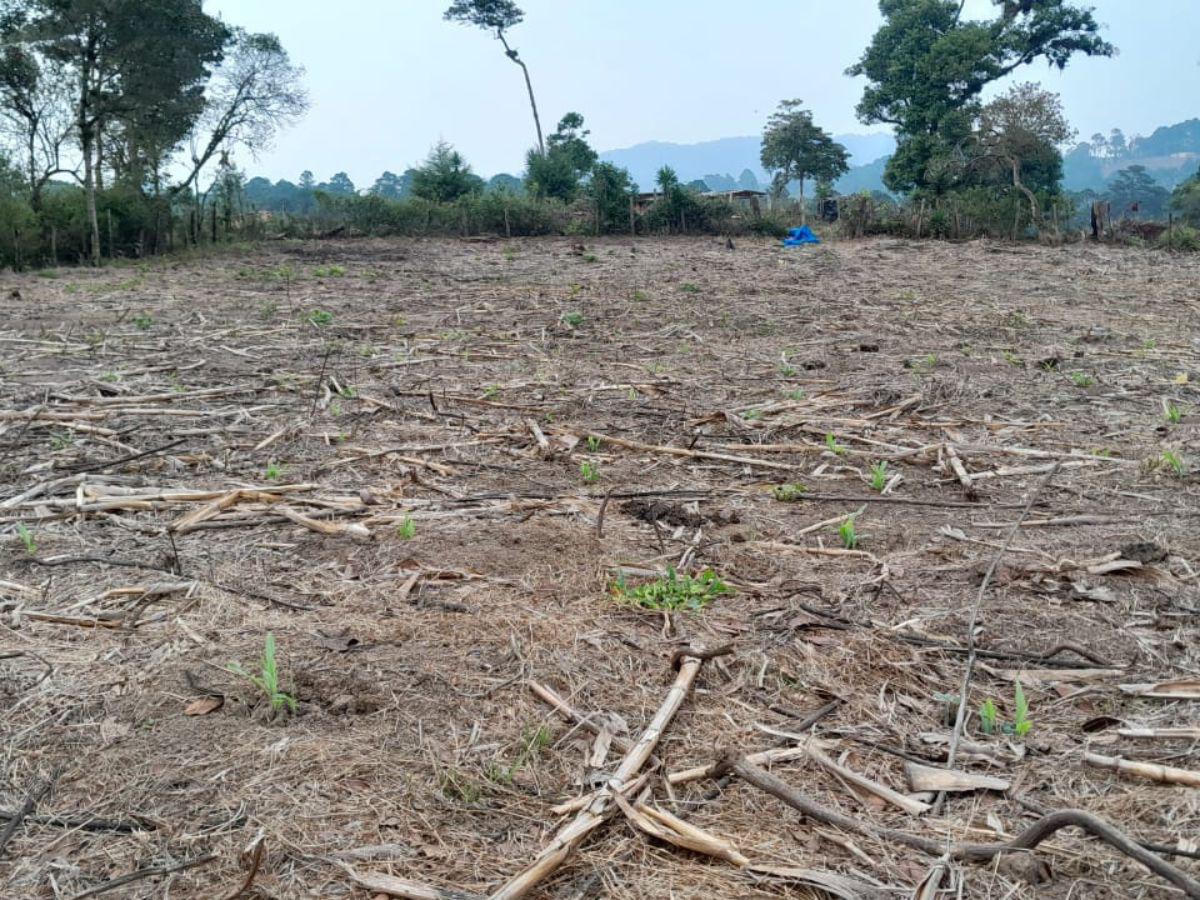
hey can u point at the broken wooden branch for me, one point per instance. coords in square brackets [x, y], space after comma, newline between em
[1026, 840]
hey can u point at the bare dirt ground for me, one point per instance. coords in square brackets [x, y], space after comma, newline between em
[377, 451]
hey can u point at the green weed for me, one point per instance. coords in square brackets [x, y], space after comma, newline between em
[593, 443]
[789, 493]
[689, 287]
[673, 592]
[143, 321]
[328, 272]
[1082, 379]
[879, 476]
[833, 446]
[849, 534]
[320, 318]
[533, 742]
[1173, 414]
[590, 472]
[1021, 722]
[753, 415]
[27, 538]
[796, 395]
[1175, 462]
[988, 716]
[267, 679]
[407, 530]
[640, 296]
[573, 319]
[274, 472]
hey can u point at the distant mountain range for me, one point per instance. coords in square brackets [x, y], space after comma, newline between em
[728, 157]
[1170, 154]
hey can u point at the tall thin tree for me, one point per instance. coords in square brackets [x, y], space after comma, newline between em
[498, 16]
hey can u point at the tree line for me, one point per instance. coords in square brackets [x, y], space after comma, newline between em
[119, 120]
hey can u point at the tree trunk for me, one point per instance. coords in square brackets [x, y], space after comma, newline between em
[537, 122]
[89, 187]
[803, 206]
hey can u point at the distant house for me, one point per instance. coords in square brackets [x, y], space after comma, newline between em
[751, 200]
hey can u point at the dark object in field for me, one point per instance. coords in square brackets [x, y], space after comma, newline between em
[1144, 552]
[652, 511]
[1101, 218]
[829, 209]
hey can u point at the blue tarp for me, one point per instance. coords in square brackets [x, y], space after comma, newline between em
[797, 237]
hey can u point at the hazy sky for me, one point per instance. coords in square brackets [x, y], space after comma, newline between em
[387, 78]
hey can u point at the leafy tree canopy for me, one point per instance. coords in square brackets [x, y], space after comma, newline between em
[926, 68]
[444, 176]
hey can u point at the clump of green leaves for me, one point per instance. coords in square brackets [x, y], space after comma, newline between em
[1021, 721]
[673, 592]
[329, 271]
[590, 257]
[879, 476]
[590, 472]
[753, 415]
[989, 716]
[689, 287]
[796, 395]
[593, 443]
[274, 472]
[267, 678]
[1174, 462]
[789, 493]
[1082, 379]
[573, 319]
[833, 446]
[640, 296]
[320, 318]
[143, 321]
[848, 532]
[491, 392]
[27, 538]
[1172, 413]
[407, 530]
[533, 742]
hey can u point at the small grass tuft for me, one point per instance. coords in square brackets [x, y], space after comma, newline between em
[407, 530]
[27, 538]
[267, 679]
[590, 472]
[879, 476]
[848, 532]
[320, 318]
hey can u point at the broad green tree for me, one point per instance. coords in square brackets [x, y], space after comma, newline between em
[1134, 192]
[253, 93]
[927, 66]
[611, 191]
[135, 68]
[1186, 200]
[1022, 131]
[567, 161]
[498, 16]
[795, 148]
[444, 176]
